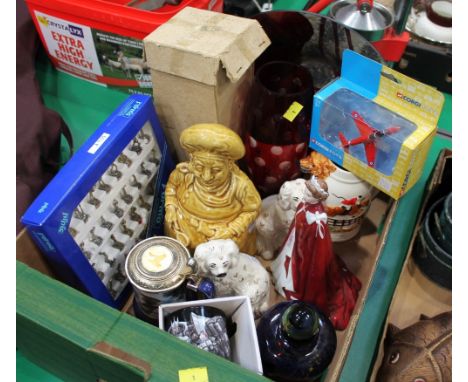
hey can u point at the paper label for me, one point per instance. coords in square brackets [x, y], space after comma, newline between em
[197, 374]
[293, 111]
[99, 142]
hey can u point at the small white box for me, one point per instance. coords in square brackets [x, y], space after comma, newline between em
[244, 343]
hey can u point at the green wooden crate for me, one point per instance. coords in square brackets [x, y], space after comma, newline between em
[80, 339]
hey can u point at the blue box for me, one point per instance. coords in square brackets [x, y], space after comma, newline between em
[99, 204]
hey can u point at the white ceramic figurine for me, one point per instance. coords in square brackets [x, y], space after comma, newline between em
[234, 273]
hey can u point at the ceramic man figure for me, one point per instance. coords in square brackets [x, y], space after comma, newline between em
[307, 269]
[209, 197]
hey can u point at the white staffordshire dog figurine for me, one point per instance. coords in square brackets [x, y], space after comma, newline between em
[234, 273]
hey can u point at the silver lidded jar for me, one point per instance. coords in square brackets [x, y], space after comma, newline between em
[159, 269]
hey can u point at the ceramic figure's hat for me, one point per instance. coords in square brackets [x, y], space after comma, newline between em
[213, 138]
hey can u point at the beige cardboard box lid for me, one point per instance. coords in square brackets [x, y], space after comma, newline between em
[194, 43]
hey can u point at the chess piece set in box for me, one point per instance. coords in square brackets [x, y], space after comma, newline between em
[98, 206]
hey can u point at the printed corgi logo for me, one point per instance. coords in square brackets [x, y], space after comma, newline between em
[408, 99]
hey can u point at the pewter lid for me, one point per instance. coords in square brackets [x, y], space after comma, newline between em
[157, 264]
[361, 16]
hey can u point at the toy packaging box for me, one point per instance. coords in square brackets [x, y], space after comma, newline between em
[377, 123]
[99, 204]
[101, 40]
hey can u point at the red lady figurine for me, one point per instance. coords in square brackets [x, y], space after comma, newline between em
[307, 269]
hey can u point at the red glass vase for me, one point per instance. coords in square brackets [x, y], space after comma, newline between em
[277, 124]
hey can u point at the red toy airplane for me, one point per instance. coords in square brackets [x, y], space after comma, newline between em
[368, 137]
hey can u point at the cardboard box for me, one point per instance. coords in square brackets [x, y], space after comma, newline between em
[244, 342]
[416, 294]
[202, 62]
[102, 197]
[131, 338]
[101, 40]
[376, 123]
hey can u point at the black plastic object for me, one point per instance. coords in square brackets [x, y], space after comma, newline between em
[433, 260]
[430, 251]
[428, 63]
